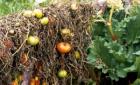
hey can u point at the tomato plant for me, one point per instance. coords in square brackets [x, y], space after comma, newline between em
[115, 49]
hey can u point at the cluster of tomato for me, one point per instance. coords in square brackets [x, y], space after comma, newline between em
[33, 81]
[36, 80]
[61, 47]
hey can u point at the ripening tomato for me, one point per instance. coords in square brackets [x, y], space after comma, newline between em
[37, 81]
[63, 47]
[62, 73]
[15, 82]
[32, 82]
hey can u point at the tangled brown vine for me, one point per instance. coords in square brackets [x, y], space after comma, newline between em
[43, 60]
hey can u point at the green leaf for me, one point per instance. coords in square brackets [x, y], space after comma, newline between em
[100, 66]
[104, 71]
[133, 29]
[99, 29]
[137, 64]
[135, 10]
[137, 53]
[121, 73]
[136, 82]
[113, 76]
[102, 51]
[91, 58]
[91, 82]
[130, 69]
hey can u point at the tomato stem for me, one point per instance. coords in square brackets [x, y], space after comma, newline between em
[110, 24]
[62, 62]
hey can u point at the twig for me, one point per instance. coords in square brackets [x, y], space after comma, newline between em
[21, 44]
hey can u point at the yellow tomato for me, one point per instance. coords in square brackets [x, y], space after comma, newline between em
[33, 40]
[44, 21]
[62, 73]
[38, 13]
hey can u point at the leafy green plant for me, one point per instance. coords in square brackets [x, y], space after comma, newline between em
[115, 48]
[11, 6]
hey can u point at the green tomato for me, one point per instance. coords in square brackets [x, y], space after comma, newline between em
[33, 40]
[62, 73]
[38, 13]
[44, 20]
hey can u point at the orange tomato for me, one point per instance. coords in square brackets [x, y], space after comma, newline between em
[63, 47]
[15, 82]
[37, 81]
[44, 83]
[32, 82]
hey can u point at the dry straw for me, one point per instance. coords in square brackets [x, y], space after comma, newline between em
[44, 60]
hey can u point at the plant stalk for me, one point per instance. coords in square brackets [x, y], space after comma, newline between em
[110, 24]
